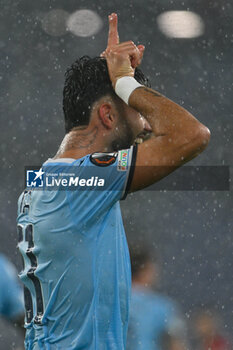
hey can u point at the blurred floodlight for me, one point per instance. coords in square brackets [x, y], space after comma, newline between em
[54, 22]
[180, 24]
[84, 23]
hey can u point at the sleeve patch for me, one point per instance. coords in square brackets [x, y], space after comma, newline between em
[123, 160]
[103, 159]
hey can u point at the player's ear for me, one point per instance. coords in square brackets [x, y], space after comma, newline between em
[106, 115]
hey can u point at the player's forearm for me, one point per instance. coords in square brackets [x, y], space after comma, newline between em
[167, 118]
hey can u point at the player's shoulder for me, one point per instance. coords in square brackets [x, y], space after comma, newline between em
[156, 299]
[161, 298]
[165, 304]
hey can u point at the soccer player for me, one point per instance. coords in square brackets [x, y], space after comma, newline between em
[209, 333]
[11, 307]
[77, 267]
[11, 295]
[155, 320]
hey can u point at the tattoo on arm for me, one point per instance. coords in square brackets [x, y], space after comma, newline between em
[152, 92]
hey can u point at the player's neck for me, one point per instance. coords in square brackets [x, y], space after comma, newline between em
[82, 141]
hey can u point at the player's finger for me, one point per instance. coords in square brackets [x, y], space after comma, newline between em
[113, 37]
[125, 47]
[130, 51]
[141, 48]
[136, 59]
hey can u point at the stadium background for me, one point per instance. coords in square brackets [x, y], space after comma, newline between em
[191, 230]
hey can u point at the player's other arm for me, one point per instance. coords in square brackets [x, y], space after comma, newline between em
[177, 137]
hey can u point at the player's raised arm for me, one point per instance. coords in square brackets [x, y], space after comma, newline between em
[177, 136]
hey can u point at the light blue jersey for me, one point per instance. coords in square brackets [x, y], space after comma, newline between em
[11, 294]
[151, 317]
[77, 268]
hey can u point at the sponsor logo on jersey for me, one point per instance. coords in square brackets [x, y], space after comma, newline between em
[122, 160]
[103, 159]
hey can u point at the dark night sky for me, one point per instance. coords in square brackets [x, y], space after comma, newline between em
[191, 230]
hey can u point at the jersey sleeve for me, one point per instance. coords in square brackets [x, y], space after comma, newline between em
[116, 169]
[130, 171]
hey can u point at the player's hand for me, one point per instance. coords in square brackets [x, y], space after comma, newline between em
[122, 58]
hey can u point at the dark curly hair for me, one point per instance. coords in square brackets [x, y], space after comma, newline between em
[86, 81]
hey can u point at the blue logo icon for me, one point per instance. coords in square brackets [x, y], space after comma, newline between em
[35, 178]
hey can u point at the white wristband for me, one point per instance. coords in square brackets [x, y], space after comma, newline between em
[125, 86]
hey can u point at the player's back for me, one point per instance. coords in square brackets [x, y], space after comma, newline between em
[77, 271]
